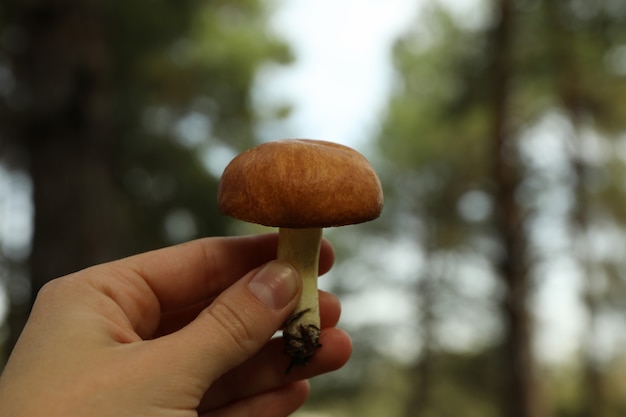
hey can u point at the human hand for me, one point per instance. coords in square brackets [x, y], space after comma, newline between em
[181, 331]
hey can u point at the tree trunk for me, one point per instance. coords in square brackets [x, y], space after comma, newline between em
[421, 374]
[520, 398]
[572, 95]
[593, 392]
[64, 123]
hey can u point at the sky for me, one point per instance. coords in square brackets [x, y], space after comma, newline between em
[343, 70]
[342, 73]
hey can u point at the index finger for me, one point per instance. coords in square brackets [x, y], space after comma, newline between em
[191, 272]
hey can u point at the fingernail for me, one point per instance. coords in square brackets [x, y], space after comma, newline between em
[275, 285]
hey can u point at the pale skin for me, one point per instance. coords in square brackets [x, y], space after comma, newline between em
[182, 331]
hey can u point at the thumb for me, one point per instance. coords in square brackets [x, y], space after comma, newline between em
[241, 320]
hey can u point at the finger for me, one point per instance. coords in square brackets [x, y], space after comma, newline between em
[188, 273]
[330, 311]
[237, 324]
[280, 402]
[191, 272]
[266, 370]
[178, 277]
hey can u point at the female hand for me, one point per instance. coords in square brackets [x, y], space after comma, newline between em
[181, 331]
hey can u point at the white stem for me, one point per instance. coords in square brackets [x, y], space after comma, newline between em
[301, 248]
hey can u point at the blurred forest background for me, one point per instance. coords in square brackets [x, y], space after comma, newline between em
[502, 151]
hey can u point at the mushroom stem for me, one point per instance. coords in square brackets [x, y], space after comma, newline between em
[301, 331]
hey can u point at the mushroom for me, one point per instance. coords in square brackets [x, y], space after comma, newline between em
[301, 186]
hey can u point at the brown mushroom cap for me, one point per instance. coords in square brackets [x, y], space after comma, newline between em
[300, 183]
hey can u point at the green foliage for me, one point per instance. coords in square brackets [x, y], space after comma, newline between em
[211, 55]
[431, 95]
[566, 58]
[177, 60]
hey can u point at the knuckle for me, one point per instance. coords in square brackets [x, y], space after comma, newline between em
[237, 329]
[54, 290]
